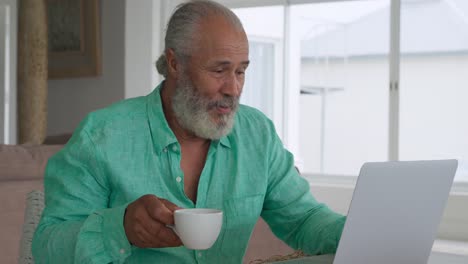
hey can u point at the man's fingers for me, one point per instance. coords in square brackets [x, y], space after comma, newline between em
[156, 234]
[158, 210]
[144, 237]
[170, 205]
[146, 222]
[162, 214]
[152, 226]
[163, 235]
[168, 238]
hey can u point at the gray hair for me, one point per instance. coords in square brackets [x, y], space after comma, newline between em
[180, 31]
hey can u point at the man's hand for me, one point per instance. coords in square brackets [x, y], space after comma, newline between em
[145, 223]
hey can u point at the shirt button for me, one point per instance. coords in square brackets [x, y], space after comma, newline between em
[165, 149]
[122, 251]
[178, 179]
[174, 148]
[199, 254]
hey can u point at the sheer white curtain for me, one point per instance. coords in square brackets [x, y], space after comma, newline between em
[258, 88]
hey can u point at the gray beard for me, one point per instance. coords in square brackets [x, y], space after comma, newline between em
[192, 111]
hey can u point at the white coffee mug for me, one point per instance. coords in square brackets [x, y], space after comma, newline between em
[198, 228]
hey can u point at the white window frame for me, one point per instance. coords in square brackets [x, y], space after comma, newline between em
[8, 61]
[336, 190]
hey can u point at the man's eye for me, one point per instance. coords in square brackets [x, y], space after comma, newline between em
[218, 71]
[240, 72]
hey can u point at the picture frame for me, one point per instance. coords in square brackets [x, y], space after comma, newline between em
[74, 42]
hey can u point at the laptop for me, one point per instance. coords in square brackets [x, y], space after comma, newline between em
[394, 213]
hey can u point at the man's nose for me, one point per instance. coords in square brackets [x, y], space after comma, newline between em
[232, 86]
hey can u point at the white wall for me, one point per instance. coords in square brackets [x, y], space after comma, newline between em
[132, 39]
[140, 50]
[71, 99]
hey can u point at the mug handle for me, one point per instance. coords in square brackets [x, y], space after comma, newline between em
[173, 229]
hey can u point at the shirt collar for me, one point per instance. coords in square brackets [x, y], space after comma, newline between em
[225, 141]
[161, 133]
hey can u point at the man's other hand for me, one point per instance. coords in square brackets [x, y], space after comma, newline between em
[145, 223]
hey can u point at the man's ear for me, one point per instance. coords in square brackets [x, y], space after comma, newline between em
[172, 63]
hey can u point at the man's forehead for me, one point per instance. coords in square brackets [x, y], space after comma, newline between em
[224, 52]
[221, 42]
[227, 62]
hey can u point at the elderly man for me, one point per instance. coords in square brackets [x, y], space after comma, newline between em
[112, 191]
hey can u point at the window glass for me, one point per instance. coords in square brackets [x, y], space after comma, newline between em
[344, 84]
[434, 82]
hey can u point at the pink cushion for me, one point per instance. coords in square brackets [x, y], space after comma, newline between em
[22, 162]
[13, 202]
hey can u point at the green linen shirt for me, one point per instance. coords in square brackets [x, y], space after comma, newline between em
[127, 150]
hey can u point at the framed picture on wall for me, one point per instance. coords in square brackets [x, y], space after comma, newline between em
[73, 38]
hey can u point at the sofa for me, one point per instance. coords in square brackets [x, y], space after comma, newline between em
[22, 170]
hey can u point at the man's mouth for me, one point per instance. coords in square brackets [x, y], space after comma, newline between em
[223, 109]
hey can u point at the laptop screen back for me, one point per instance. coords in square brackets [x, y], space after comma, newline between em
[395, 212]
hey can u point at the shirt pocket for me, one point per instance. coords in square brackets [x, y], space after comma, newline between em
[240, 216]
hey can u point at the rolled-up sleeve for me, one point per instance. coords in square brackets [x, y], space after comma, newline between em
[292, 212]
[76, 225]
[102, 239]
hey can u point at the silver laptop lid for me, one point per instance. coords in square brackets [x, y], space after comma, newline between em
[395, 212]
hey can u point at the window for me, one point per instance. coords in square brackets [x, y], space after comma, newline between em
[336, 70]
[344, 64]
[433, 82]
